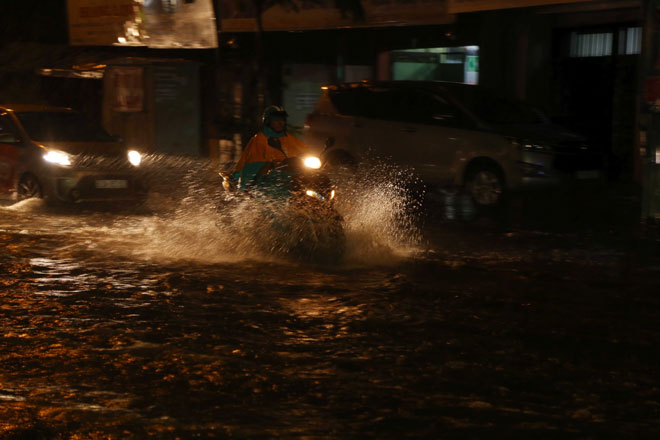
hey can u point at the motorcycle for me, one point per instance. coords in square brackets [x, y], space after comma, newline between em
[296, 200]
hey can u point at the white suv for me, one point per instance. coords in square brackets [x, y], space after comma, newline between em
[450, 133]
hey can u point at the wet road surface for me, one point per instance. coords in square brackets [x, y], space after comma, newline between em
[159, 325]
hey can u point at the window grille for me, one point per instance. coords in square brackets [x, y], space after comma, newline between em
[630, 41]
[591, 45]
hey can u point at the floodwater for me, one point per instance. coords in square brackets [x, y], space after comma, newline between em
[165, 323]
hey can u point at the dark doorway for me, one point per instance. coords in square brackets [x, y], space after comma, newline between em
[597, 78]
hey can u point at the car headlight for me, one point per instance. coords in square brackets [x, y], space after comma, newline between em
[312, 162]
[526, 145]
[58, 157]
[529, 146]
[135, 158]
[533, 146]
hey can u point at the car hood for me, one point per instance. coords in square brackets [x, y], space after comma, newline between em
[105, 149]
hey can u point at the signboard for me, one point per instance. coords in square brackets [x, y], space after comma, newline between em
[170, 24]
[177, 108]
[129, 88]
[179, 24]
[458, 6]
[311, 15]
[98, 22]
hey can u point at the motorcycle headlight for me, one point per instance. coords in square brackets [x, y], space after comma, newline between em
[312, 193]
[58, 158]
[135, 158]
[312, 162]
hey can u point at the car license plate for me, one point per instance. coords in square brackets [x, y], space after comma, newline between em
[588, 174]
[114, 184]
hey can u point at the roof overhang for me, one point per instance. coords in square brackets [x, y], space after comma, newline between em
[306, 16]
[461, 6]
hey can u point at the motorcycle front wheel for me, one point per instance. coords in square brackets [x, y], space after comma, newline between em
[319, 240]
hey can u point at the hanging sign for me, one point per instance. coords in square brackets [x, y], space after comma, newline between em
[171, 24]
[98, 22]
[128, 85]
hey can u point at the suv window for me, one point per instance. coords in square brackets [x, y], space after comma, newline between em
[396, 104]
[344, 101]
[496, 109]
[61, 126]
[384, 103]
[6, 133]
[423, 107]
[372, 102]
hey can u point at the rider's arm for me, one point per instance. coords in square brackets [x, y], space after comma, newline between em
[294, 143]
[253, 152]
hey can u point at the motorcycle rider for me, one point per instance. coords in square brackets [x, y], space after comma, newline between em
[271, 143]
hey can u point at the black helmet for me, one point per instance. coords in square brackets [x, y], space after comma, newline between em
[273, 112]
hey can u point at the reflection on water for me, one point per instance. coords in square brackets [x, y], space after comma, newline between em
[123, 344]
[121, 321]
[166, 325]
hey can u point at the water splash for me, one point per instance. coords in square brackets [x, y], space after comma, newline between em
[27, 205]
[380, 207]
[186, 221]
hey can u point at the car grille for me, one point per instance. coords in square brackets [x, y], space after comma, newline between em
[87, 189]
[94, 162]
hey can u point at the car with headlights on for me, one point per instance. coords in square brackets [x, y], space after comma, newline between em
[451, 133]
[60, 155]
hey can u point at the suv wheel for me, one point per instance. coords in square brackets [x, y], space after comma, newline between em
[29, 187]
[485, 185]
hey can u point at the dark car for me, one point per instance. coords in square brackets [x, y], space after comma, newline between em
[451, 133]
[60, 155]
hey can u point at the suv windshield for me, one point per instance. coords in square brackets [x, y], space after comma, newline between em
[58, 126]
[496, 109]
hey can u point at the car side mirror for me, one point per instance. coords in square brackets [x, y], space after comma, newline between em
[8, 138]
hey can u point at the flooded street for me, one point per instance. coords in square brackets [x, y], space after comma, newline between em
[163, 324]
[330, 220]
